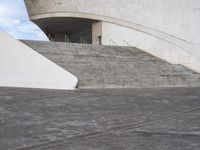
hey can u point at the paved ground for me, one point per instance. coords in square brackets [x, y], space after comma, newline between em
[109, 119]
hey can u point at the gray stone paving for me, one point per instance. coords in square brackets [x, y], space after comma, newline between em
[100, 119]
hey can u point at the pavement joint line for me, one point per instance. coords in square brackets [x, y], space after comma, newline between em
[167, 133]
[140, 132]
[100, 133]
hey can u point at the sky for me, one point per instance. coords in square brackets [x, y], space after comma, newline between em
[14, 20]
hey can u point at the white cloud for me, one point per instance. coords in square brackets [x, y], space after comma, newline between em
[3, 9]
[14, 20]
[22, 29]
[12, 9]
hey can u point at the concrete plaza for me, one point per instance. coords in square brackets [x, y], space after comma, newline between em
[104, 119]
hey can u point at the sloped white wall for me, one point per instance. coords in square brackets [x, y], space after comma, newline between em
[21, 66]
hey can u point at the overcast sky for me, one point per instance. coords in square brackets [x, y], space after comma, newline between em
[14, 20]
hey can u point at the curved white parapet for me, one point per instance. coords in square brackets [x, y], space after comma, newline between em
[175, 18]
[169, 29]
[21, 66]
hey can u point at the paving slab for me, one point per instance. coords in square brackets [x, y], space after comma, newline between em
[100, 119]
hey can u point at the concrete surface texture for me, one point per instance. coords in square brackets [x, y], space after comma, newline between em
[105, 119]
[21, 66]
[168, 29]
[174, 17]
[119, 35]
[113, 67]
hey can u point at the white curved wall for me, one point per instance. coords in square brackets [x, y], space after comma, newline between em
[170, 25]
[179, 18]
[21, 66]
[113, 34]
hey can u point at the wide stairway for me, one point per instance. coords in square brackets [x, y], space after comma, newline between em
[111, 67]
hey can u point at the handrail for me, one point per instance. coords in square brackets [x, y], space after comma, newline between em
[77, 53]
[73, 48]
[183, 62]
[67, 39]
[113, 43]
[155, 80]
[127, 43]
[82, 39]
[157, 74]
[58, 48]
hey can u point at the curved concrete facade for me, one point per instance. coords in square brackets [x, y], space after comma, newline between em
[169, 29]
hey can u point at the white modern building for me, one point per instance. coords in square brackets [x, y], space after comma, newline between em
[169, 29]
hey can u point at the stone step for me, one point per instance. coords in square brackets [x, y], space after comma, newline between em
[99, 66]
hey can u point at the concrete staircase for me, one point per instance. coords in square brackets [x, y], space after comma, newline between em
[111, 67]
